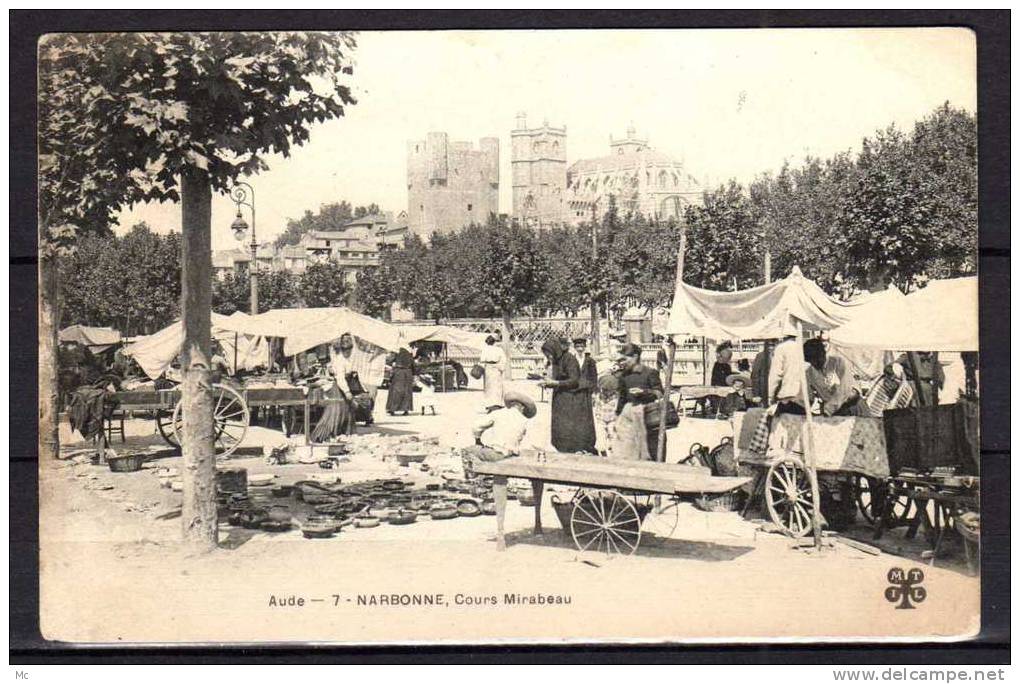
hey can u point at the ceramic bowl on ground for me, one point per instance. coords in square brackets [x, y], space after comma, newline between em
[260, 479]
[525, 498]
[443, 511]
[275, 526]
[279, 514]
[406, 459]
[366, 521]
[403, 517]
[468, 508]
[126, 463]
[488, 507]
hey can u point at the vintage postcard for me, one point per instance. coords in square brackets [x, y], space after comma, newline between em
[466, 337]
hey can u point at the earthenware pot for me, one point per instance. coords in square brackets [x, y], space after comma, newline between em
[468, 508]
[279, 514]
[488, 507]
[443, 511]
[403, 517]
[366, 521]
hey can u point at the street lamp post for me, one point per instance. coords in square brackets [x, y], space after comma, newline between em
[244, 195]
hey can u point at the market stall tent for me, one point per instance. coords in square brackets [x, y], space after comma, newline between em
[768, 311]
[304, 329]
[96, 339]
[458, 342]
[940, 317]
[156, 353]
[867, 363]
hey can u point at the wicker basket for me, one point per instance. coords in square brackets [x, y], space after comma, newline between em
[719, 503]
[126, 463]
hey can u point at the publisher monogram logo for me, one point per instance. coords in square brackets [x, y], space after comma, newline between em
[906, 587]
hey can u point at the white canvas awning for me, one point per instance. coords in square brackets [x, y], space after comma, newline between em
[942, 316]
[459, 342]
[96, 339]
[768, 311]
[155, 353]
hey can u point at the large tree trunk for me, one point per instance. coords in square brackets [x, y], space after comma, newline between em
[198, 512]
[49, 389]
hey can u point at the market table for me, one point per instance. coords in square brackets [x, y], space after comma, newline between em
[645, 477]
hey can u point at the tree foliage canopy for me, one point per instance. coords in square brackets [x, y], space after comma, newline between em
[330, 217]
[122, 113]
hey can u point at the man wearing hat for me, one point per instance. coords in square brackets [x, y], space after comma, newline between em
[500, 433]
[737, 399]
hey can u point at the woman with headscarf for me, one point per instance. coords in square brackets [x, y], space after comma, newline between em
[401, 393]
[573, 425]
[494, 364]
[338, 414]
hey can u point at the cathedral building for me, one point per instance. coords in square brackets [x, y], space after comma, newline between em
[546, 191]
[539, 169]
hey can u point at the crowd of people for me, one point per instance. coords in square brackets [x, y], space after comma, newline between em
[614, 411]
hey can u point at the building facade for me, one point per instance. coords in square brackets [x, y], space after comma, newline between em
[640, 178]
[538, 162]
[356, 246]
[450, 184]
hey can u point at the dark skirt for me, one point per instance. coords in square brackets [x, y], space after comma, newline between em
[573, 424]
[401, 393]
[337, 417]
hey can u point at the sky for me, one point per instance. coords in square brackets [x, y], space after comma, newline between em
[729, 103]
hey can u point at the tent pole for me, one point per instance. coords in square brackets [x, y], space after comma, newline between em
[660, 450]
[809, 448]
[235, 353]
[704, 361]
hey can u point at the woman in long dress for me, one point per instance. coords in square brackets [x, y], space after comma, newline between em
[494, 363]
[338, 414]
[573, 425]
[400, 398]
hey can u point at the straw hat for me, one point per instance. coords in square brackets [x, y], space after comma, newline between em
[733, 377]
[530, 410]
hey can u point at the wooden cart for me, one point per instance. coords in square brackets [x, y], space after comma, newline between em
[851, 463]
[231, 410]
[605, 514]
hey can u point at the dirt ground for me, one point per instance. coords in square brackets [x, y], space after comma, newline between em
[112, 571]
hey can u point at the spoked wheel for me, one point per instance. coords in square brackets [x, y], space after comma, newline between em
[788, 496]
[230, 419]
[604, 520]
[167, 428]
[662, 519]
[868, 494]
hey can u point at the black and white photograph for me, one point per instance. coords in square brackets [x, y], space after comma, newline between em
[504, 337]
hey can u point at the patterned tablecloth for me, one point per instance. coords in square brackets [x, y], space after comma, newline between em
[850, 443]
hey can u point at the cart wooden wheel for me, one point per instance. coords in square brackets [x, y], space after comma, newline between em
[662, 518]
[604, 520]
[871, 495]
[788, 496]
[230, 418]
[867, 495]
[166, 427]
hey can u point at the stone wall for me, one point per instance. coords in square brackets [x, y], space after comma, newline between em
[450, 184]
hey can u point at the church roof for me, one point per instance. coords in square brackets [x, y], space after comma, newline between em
[620, 162]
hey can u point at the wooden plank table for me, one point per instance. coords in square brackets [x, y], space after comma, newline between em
[590, 471]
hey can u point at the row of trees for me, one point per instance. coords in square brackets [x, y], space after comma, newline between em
[902, 210]
[133, 283]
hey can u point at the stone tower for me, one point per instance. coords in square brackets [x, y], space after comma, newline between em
[539, 165]
[450, 185]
